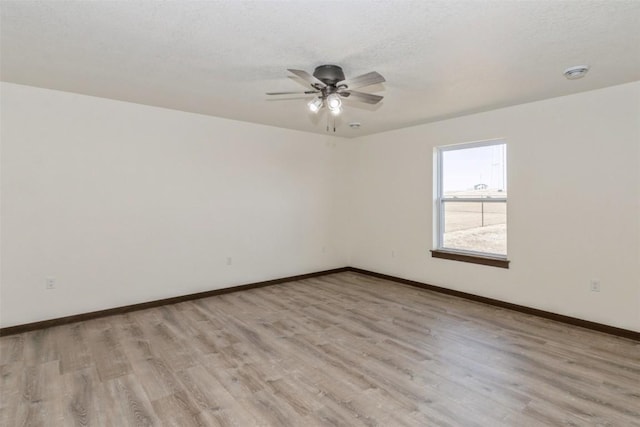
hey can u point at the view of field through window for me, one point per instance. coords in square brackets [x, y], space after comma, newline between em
[474, 192]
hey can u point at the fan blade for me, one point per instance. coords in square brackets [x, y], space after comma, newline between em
[363, 80]
[369, 98]
[306, 92]
[307, 77]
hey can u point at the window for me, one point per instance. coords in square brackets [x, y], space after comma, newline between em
[471, 203]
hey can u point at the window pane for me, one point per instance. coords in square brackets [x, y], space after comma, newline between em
[475, 226]
[475, 172]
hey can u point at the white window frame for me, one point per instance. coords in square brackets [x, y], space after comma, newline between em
[441, 200]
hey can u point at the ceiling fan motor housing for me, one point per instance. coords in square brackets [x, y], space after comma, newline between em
[329, 74]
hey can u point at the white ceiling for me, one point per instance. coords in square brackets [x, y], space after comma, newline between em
[440, 58]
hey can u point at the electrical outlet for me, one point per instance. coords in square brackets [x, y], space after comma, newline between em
[50, 283]
[229, 260]
[595, 285]
[393, 254]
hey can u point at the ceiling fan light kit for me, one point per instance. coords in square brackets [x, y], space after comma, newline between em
[329, 82]
[334, 102]
[315, 105]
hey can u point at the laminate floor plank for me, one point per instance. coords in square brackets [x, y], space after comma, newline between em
[40, 346]
[106, 351]
[12, 349]
[75, 337]
[342, 349]
[125, 403]
[81, 398]
[179, 410]
[10, 393]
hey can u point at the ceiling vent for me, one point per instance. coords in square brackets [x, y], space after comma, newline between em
[577, 72]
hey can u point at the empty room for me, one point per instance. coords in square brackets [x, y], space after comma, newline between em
[320, 213]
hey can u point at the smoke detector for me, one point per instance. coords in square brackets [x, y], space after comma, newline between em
[577, 72]
[354, 125]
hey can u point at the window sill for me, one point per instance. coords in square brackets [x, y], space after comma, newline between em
[475, 259]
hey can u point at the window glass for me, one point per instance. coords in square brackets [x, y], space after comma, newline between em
[472, 198]
[475, 172]
[479, 227]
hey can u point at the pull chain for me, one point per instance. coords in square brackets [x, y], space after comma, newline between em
[334, 123]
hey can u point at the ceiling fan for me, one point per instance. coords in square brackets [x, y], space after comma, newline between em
[328, 81]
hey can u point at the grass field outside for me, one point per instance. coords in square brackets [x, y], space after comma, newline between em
[479, 227]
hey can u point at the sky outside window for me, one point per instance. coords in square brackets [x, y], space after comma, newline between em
[468, 170]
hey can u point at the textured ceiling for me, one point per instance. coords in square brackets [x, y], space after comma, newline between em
[440, 58]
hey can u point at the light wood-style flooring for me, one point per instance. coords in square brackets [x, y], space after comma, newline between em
[342, 349]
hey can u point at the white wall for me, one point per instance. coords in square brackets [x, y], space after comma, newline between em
[125, 203]
[573, 211]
